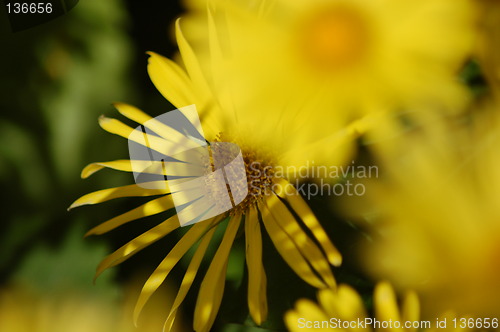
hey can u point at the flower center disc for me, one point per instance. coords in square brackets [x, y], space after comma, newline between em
[259, 175]
[334, 38]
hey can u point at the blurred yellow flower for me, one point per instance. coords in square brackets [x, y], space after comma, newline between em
[330, 62]
[435, 217]
[284, 214]
[22, 310]
[343, 310]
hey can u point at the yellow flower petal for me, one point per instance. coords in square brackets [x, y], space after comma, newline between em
[144, 166]
[310, 309]
[348, 305]
[192, 65]
[306, 309]
[310, 220]
[257, 296]
[161, 272]
[287, 249]
[117, 127]
[292, 321]
[120, 165]
[171, 81]
[153, 207]
[133, 113]
[212, 286]
[411, 309]
[307, 247]
[105, 195]
[328, 299]
[189, 277]
[217, 63]
[206, 104]
[385, 303]
[161, 129]
[137, 244]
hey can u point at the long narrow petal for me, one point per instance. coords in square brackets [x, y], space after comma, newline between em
[217, 60]
[191, 63]
[161, 272]
[105, 195]
[257, 296]
[173, 168]
[120, 165]
[169, 133]
[287, 249]
[195, 212]
[117, 127]
[148, 209]
[189, 277]
[131, 248]
[309, 219]
[171, 81]
[212, 286]
[133, 113]
[307, 247]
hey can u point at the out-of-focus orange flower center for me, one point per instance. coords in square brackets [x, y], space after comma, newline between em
[334, 38]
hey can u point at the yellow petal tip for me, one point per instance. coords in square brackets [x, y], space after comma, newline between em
[336, 260]
[89, 170]
[152, 54]
[117, 104]
[75, 204]
[103, 121]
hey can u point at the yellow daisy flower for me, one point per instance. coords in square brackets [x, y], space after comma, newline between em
[283, 213]
[343, 310]
[337, 60]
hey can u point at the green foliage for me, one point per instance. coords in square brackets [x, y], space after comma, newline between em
[67, 268]
[57, 78]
